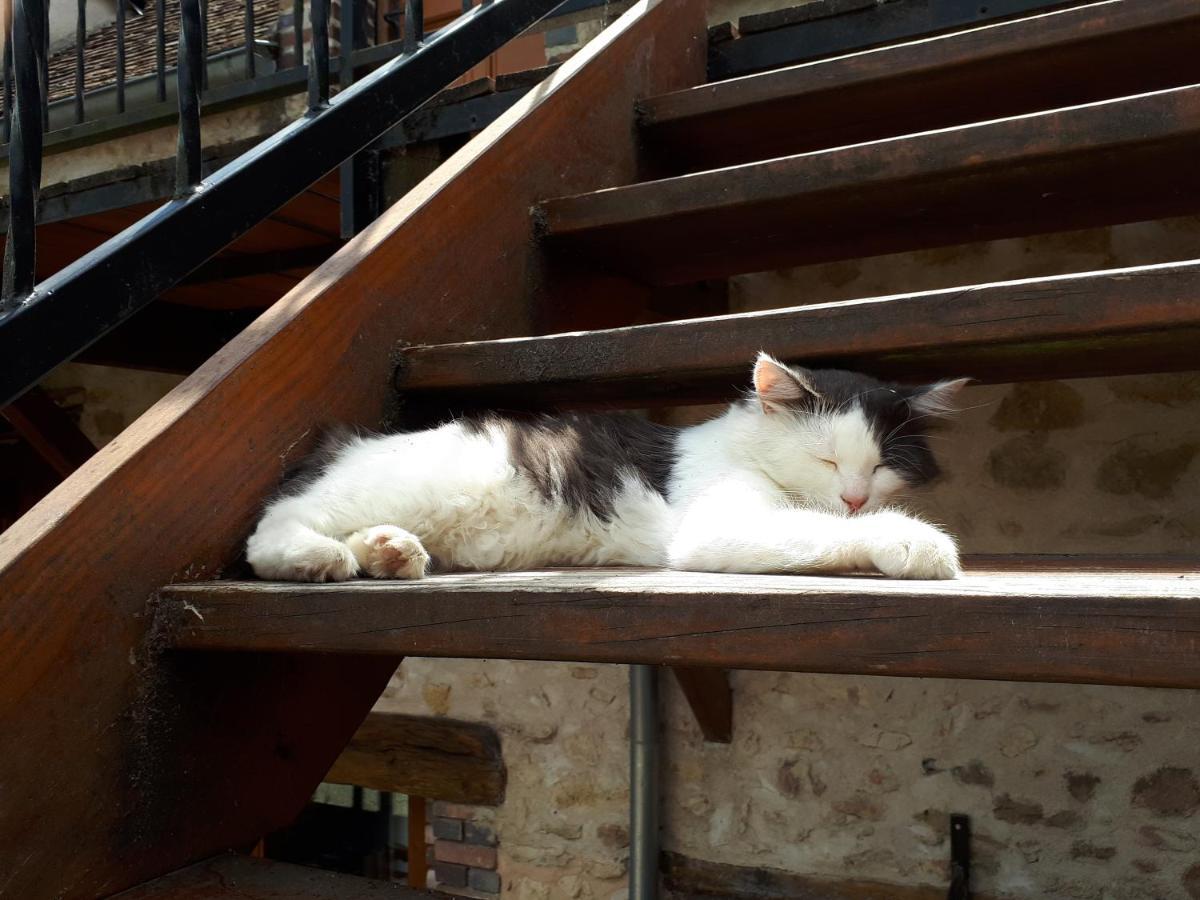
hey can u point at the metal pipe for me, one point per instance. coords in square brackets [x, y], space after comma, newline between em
[643, 783]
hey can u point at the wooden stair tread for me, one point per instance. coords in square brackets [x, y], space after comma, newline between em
[1121, 320]
[1126, 159]
[1055, 59]
[245, 878]
[1072, 619]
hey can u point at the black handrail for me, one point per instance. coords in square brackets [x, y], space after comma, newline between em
[71, 309]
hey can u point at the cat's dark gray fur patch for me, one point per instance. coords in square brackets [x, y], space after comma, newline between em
[584, 459]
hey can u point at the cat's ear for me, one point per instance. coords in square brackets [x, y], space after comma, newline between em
[937, 399]
[779, 386]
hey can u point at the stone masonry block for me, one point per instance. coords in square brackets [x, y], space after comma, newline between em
[483, 880]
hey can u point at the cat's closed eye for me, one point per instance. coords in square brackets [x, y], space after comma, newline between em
[829, 462]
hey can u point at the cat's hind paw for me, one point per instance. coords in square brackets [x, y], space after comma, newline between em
[314, 558]
[910, 548]
[388, 551]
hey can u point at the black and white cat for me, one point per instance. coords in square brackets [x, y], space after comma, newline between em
[795, 478]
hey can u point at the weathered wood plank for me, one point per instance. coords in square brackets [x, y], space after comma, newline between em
[1073, 620]
[245, 878]
[1124, 320]
[685, 876]
[440, 759]
[233, 747]
[711, 699]
[1117, 161]
[1057, 59]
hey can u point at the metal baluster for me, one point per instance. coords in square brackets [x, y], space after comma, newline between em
[318, 57]
[204, 42]
[414, 24]
[24, 154]
[8, 79]
[298, 30]
[187, 160]
[120, 56]
[248, 23]
[45, 70]
[349, 172]
[348, 32]
[160, 50]
[80, 40]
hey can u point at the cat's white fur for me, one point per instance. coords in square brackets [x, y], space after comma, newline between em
[754, 490]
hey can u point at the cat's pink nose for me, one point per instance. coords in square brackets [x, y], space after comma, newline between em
[854, 501]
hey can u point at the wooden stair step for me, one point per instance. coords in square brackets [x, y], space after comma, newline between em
[1143, 319]
[1120, 160]
[1069, 619]
[233, 877]
[1055, 59]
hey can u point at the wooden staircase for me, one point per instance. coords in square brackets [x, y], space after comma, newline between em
[211, 707]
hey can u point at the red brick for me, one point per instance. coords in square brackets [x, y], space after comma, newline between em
[453, 810]
[465, 854]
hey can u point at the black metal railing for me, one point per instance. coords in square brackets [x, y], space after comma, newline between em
[45, 323]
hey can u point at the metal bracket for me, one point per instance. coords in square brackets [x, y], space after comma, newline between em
[960, 857]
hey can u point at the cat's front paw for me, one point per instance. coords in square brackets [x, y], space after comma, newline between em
[903, 547]
[388, 551]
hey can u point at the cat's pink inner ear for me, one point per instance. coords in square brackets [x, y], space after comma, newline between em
[776, 385]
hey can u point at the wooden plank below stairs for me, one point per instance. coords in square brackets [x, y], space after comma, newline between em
[1121, 320]
[424, 756]
[1121, 160]
[1057, 59]
[1087, 620]
[243, 878]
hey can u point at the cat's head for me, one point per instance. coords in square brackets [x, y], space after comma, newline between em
[841, 440]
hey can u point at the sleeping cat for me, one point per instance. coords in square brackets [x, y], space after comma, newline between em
[797, 477]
